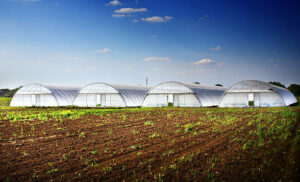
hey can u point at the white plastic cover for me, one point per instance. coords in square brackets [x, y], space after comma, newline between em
[185, 95]
[265, 95]
[40, 95]
[111, 95]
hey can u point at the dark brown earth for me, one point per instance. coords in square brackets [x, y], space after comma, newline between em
[117, 146]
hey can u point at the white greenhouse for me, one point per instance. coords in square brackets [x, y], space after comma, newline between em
[110, 95]
[40, 95]
[256, 93]
[183, 95]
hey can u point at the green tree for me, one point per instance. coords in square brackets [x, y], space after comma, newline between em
[12, 92]
[277, 84]
[219, 85]
[295, 89]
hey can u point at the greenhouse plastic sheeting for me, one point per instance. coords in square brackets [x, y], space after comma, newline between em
[184, 94]
[265, 95]
[124, 95]
[42, 95]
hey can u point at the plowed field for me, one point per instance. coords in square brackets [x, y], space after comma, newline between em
[162, 144]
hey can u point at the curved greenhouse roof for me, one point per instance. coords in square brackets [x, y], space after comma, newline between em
[183, 94]
[263, 94]
[111, 95]
[41, 95]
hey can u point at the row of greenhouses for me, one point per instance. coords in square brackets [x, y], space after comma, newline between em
[248, 93]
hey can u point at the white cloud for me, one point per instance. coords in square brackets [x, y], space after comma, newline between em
[105, 50]
[114, 3]
[77, 58]
[135, 20]
[207, 61]
[203, 17]
[131, 10]
[204, 61]
[216, 48]
[168, 18]
[162, 59]
[117, 16]
[157, 19]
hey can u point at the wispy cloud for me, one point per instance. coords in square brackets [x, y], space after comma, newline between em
[105, 50]
[207, 61]
[131, 10]
[114, 3]
[161, 59]
[216, 48]
[135, 20]
[157, 19]
[203, 17]
[118, 15]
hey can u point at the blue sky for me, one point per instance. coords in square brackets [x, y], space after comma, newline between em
[77, 42]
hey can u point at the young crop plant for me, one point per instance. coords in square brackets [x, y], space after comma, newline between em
[107, 169]
[154, 135]
[81, 134]
[167, 153]
[136, 147]
[148, 123]
[52, 171]
[189, 127]
[109, 131]
[94, 152]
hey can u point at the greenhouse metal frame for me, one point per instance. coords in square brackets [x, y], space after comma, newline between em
[256, 93]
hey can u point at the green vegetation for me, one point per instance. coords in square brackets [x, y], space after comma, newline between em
[251, 103]
[5, 101]
[196, 144]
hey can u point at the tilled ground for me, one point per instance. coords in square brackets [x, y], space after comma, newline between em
[170, 144]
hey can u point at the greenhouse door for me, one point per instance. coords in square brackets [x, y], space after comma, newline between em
[250, 99]
[170, 98]
[256, 99]
[98, 100]
[103, 100]
[38, 100]
[33, 99]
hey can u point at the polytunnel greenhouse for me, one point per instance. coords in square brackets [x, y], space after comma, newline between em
[256, 93]
[183, 95]
[110, 95]
[40, 95]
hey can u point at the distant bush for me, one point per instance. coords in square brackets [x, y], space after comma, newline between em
[5, 101]
[295, 89]
[251, 103]
[277, 84]
[170, 104]
[7, 92]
